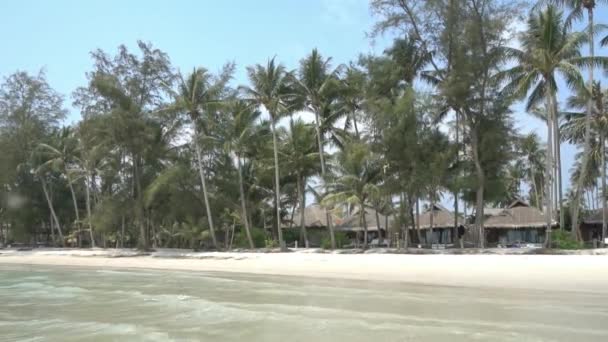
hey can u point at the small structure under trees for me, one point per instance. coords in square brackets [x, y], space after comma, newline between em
[519, 223]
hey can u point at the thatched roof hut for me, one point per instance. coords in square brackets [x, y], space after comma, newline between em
[352, 222]
[593, 217]
[314, 217]
[442, 218]
[517, 215]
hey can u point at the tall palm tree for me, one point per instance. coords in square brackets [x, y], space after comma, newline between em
[63, 157]
[578, 7]
[270, 88]
[243, 129]
[533, 156]
[574, 129]
[198, 95]
[548, 49]
[44, 167]
[318, 85]
[359, 172]
[302, 159]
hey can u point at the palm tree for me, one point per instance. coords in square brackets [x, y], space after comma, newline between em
[574, 129]
[359, 172]
[270, 89]
[302, 159]
[198, 95]
[42, 170]
[318, 85]
[243, 130]
[63, 157]
[578, 7]
[533, 156]
[549, 49]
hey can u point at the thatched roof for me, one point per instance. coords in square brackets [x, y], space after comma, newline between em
[442, 218]
[353, 222]
[518, 215]
[593, 216]
[314, 216]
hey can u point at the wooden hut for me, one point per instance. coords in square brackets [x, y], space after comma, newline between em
[315, 221]
[442, 224]
[591, 224]
[352, 226]
[518, 224]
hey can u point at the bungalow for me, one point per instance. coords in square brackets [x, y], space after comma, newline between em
[441, 220]
[353, 227]
[315, 221]
[518, 223]
[591, 225]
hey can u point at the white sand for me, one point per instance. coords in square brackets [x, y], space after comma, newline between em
[580, 273]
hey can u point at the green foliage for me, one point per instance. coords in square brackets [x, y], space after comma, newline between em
[341, 240]
[257, 235]
[562, 239]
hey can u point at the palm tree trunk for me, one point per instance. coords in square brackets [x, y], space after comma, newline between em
[587, 145]
[549, 168]
[558, 162]
[277, 187]
[535, 187]
[52, 209]
[432, 220]
[243, 202]
[364, 224]
[88, 204]
[75, 205]
[201, 173]
[603, 157]
[332, 237]
[418, 220]
[378, 227]
[302, 193]
[480, 188]
[456, 191]
[122, 232]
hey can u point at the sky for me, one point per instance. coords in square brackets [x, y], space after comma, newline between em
[59, 35]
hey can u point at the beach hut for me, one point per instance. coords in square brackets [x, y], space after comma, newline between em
[518, 224]
[591, 225]
[315, 221]
[442, 223]
[352, 226]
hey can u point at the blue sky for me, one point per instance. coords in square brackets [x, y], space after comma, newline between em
[58, 36]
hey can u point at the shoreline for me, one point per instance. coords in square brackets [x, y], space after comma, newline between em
[578, 273]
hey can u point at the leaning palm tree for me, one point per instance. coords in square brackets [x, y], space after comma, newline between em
[548, 49]
[62, 155]
[301, 159]
[318, 85]
[574, 129]
[270, 88]
[578, 7]
[359, 172]
[44, 168]
[243, 128]
[197, 95]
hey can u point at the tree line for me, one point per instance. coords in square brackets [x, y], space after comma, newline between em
[165, 158]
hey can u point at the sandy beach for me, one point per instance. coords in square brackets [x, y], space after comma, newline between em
[580, 273]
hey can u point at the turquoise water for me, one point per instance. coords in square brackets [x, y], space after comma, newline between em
[75, 304]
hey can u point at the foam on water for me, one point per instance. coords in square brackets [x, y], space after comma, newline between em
[106, 305]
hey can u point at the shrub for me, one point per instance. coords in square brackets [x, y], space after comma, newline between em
[257, 235]
[562, 239]
[341, 240]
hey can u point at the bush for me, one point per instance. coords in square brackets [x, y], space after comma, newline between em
[272, 243]
[562, 239]
[257, 235]
[341, 240]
